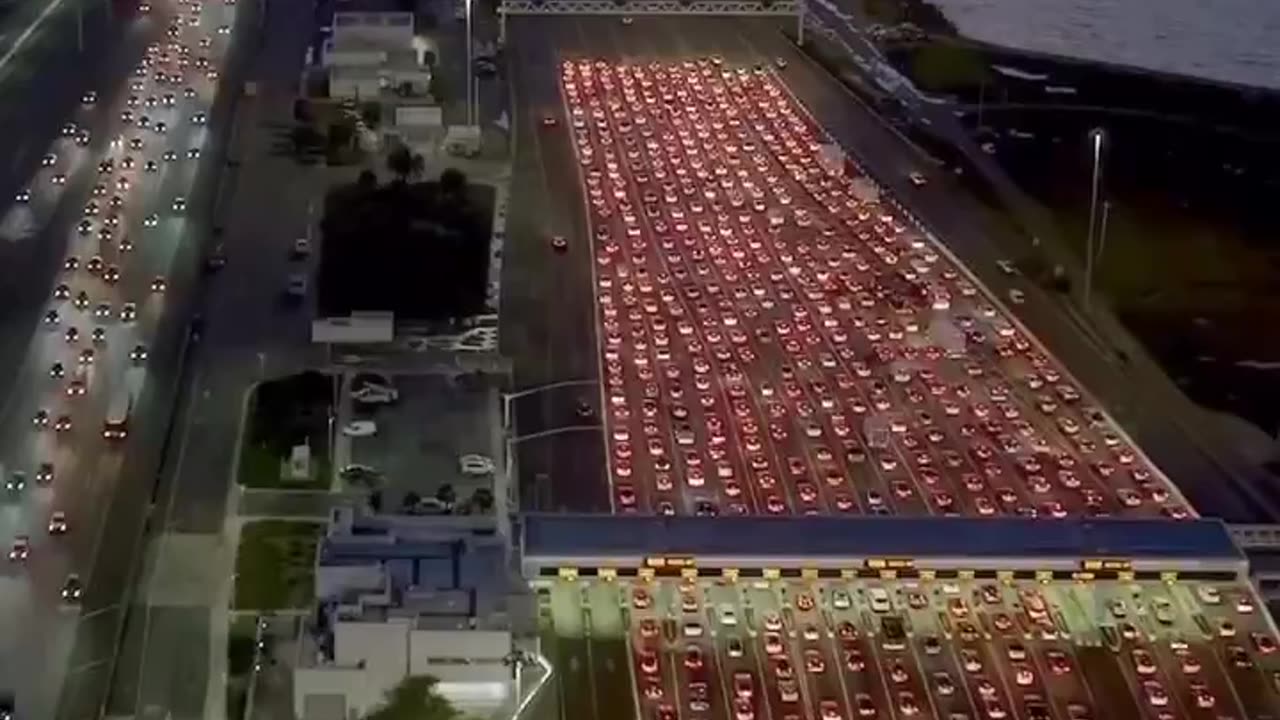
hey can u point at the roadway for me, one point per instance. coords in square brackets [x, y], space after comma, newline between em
[87, 470]
[1114, 365]
[1004, 388]
[781, 649]
[251, 334]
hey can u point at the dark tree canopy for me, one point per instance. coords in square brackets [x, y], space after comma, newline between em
[410, 248]
[415, 698]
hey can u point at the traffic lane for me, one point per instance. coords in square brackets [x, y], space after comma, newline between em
[879, 150]
[541, 278]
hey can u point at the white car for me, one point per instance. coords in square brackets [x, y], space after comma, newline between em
[360, 428]
[918, 180]
[475, 465]
[1016, 296]
[375, 394]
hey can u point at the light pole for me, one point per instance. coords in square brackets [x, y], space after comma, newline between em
[470, 80]
[800, 8]
[1095, 137]
[1102, 231]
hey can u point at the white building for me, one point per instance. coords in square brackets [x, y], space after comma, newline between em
[370, 656]
[373, 55]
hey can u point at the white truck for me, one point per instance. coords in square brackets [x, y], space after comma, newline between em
[116, 425]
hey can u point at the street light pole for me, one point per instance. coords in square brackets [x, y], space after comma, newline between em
[1102, 232]
[1096, 137]
[470, 80]
[800, 10]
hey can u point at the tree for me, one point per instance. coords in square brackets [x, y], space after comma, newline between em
[400, 163]
[411, 500]
[446, 494]
[415, 698]
[453, 185]
[948, 67]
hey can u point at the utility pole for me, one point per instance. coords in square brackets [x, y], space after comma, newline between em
[1096, 137]
[1102, 233]
[80, 27]
[800, 11]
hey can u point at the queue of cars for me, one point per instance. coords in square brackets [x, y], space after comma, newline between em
[958, 650]
[775, 341]
[158, 126]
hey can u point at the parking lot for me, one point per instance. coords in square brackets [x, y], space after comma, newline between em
[904, 648]
[775, 339]
[421, 436]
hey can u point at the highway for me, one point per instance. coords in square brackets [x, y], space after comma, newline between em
[909, 649]
[135, 226]
[966, 413]
[544, 159]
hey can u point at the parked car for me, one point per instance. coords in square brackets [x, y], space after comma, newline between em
[360, 428]
[475, 465]
[375, 395]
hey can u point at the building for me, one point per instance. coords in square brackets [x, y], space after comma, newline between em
[402, 595]
[374, 56]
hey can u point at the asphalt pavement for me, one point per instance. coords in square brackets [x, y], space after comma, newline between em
[251, 334]
[102, 487]
[1061, 650]
[537, 43]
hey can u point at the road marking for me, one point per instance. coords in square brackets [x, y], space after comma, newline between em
[26, 34]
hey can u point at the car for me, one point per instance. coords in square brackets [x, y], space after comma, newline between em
[1016, 296]
[86, 357]
[40, 419]
[356, 473]
[57, 371]
[159, 285]
[138, 355]
[301, 247]
[160, 128]
[58, 179]
[52, 317]
[16, 482]
[151, 220]
[375, 395]
[49, 160]
[44, 473]
[82, 300]
[151, 166]
[297, 286]
[198, 119]
[111, 275]
[217, 259]
[360, 428]
[89, 98]
[128, 312]
[549, 121]
[136, 143]
[72, 589]
[559, 243]
[57, 523]
[23, 196]
[627, 20]
[170, 156]
[475, 465]
[193, 153]
[102, 311]
[71, 335]
[918, 179]
[83, 138]
[20, 549]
